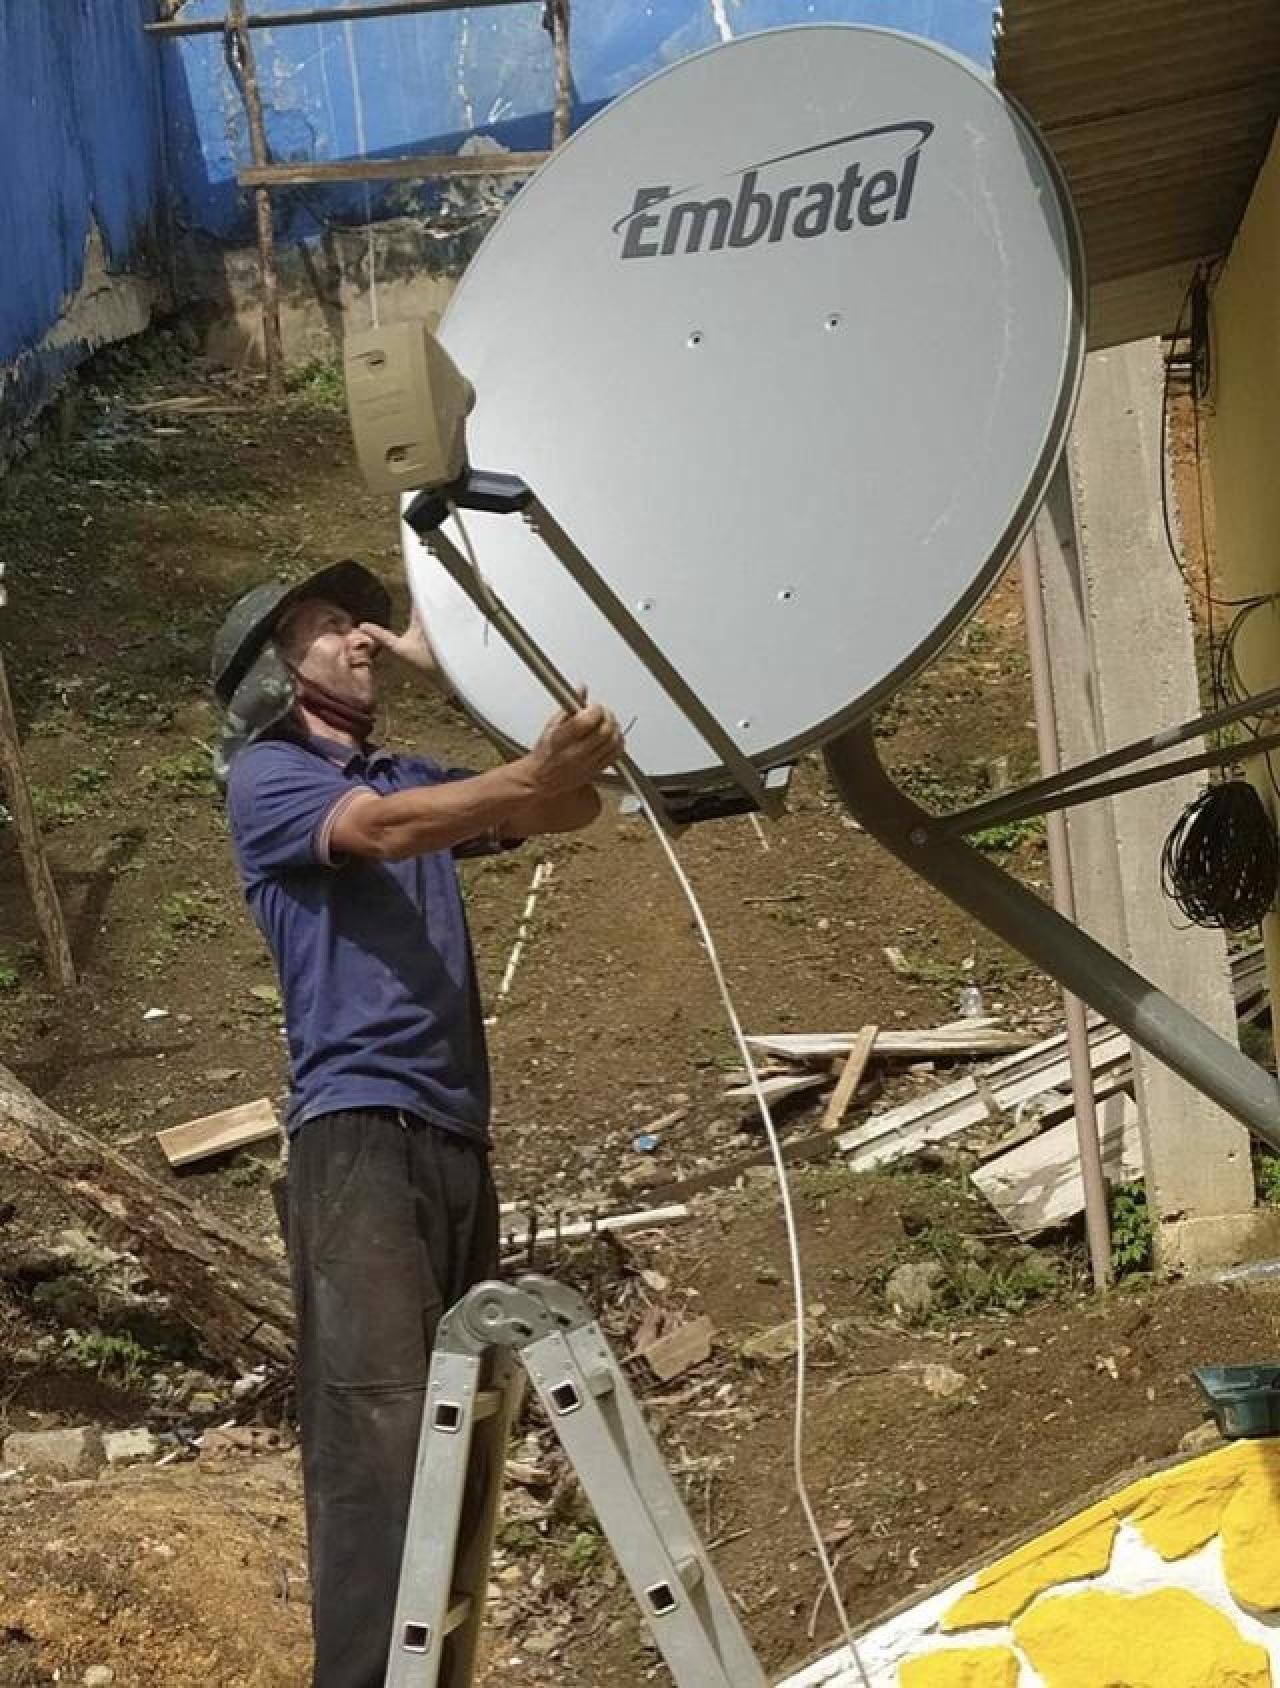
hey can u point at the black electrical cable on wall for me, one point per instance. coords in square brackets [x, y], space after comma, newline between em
[1221, 862]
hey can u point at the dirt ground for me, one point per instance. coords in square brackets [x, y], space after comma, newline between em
[171, 490]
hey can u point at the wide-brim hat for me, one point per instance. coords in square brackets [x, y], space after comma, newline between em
[253, 619]
[250, 677]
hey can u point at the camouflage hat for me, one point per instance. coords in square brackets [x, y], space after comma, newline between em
[253, 618]
[250, 678]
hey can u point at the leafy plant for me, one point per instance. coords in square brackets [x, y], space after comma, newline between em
[1266, 1175]
[186, 773]
[583, 1551]
[121, 1356]
[56, 808]
[319, 381]
[9, 979]
[197, 912]
[1008, 835]
[1132, 1231]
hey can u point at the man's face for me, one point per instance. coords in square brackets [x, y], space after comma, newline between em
[324, 644]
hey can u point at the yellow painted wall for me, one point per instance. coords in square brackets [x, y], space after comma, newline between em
[1172, 1581]
[1242, 424]
[1243, 417]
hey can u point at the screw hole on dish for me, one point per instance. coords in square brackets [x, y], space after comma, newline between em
[695, 339]
[833, 322]
[786, 595]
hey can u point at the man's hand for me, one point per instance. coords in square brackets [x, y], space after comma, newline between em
[574, 749]
[412, 647]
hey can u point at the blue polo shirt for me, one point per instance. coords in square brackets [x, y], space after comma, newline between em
[374, 958]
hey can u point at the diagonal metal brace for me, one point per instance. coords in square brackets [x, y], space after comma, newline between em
[534, 657]
[654, 658]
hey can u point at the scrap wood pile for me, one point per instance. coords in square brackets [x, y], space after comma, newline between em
[1014, 1114]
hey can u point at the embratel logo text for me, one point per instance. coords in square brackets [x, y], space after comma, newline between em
[666, 222]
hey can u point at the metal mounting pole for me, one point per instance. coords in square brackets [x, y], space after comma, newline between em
[1087, 968]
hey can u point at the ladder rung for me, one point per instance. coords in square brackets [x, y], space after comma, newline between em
[459, 1610]
[487, 1403]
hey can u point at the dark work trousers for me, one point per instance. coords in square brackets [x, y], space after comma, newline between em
[390, 1221]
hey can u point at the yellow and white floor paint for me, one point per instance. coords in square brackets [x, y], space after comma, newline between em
[1171, 1582]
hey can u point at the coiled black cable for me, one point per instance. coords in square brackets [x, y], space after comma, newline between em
[1221, 862]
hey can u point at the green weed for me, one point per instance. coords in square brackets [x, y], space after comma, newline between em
[187, 773]
[1001, 839]
[1132, 1232]
[1266, 1176]
[195, 913]
[73, 800]
[122, 1357]
[583, 1551]
[319, 382]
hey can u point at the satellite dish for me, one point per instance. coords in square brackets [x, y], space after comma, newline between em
[788, 340]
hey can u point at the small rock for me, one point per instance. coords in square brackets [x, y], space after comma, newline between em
[130, 1447]
[61, 1453]
[768, 1275]
[777, 1344]
[910, 1290]
[644, 1177]
[1202, 1438]
[98, 1676]
[941, 1381]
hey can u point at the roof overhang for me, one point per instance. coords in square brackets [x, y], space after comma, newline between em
[1160, 113]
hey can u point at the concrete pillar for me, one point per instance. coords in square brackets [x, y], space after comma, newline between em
[1124, 664]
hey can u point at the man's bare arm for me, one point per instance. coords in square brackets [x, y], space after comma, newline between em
[548, 790]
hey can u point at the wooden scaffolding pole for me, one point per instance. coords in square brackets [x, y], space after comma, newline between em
[319, 14]
[240, 59]
[262, 176]
[555, 19]
[54, 943]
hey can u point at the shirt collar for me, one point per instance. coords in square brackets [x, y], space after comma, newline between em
[348, 757]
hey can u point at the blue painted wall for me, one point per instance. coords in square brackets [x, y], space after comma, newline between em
[81, 139]
[422, 84]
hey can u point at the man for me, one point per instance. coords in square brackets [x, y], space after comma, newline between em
[346, 855]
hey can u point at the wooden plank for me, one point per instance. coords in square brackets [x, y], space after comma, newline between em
[850, 1077]
[681, 1349]
[978, 1037]
[962, 1105]
[1058, 1105]
[1248, 970]
[413, 167]
[1038, 1184]
[54, 944]
[218, 1134]
[615, 1222]
[775, 1089]
[320, 14]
